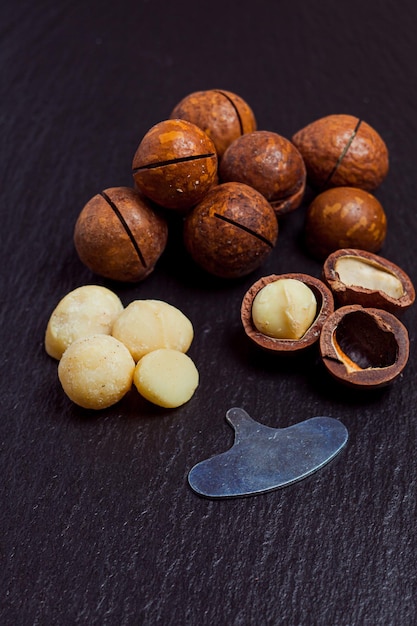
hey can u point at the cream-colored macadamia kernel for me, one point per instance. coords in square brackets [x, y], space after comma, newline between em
[358, 272]
[147, 325]
[284, 309]
[166, 377]
[85, 311]
[96, 372]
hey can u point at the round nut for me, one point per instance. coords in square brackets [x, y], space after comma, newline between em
[147, 325]
[175, 164]
[269, 163]
[232, 231]
[166, 377]
[96, 372]
[360, 277]
[342, 150]
[344, 217]
[325, 307]
[223, 115]
[87, 310]
[364, 347]
[118, 235]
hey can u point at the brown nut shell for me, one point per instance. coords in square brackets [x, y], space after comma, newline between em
[341, 150]
[344, 217]
[364, 347]
[118, 235]
[175, 164]
[223, 115]
[360, 277]
[325, 307]
[232, 231]
[269, 163]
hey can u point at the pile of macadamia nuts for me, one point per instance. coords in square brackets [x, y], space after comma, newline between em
[104, 349]
[229, 184]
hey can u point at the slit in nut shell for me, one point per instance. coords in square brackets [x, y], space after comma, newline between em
[364, 347]
[301, 337]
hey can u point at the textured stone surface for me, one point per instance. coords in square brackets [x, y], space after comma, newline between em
[98, 525]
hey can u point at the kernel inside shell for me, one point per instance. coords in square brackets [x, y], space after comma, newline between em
[284, 309]
[325, 306]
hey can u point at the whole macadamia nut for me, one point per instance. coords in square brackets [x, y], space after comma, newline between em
[269, 163]
[223, 115]
[165, 377]
[232, 231]
[342, 150]
[175, 164]
[96, 372]
[119, 235]
[85, 311]
[344, 217]
[147, 325]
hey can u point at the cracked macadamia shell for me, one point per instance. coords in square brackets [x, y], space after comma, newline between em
[119, 235]
[175, 164]
[232, 231]
[269, 163]
[344, 217]
[342, 150]
[324, 307]
[223, 115]
[360, 277]
[364, 347]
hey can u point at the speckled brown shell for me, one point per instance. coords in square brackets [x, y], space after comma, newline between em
[325, 307]
[269, 163]
[355, 294]
[364, 347]
[175, 164]
[232, 231]
[118, 235]
[344, 217]
[341, 150]
[223, 115]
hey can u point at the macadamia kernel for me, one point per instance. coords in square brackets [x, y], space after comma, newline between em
[96, 372]
[147, 325]
[165, 377]
[357, 272]
[85, 311]
[284, 309]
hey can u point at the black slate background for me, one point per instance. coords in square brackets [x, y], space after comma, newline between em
[98, 524]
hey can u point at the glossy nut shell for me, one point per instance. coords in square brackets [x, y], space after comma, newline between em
[269, 163]
[344, 217]
[325, 307]
[232, 231]
[364, 347]
[341, 150]
[175, 164]
[118, 235]
[223, 115]
[377, 296]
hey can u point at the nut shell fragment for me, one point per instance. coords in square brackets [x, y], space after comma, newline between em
[325, 307]
[385, 285]
[364, 347]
